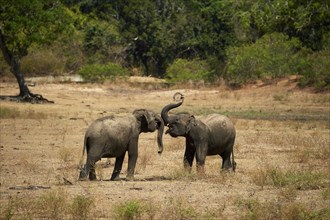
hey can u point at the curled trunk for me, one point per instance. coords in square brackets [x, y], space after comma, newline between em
[168, 107]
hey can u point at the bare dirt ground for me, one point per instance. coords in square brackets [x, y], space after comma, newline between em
[281, 130]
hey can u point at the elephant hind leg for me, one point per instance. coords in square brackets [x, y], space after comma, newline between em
[226, 162]
[89, 168]
[83, 174]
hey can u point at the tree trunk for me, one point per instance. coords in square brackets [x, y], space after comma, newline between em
[14, 62]
[16, 70]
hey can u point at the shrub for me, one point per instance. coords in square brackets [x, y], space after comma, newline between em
[81, 207]
[129, 210]
[99, 73]
[273, 55]
[316, 71]
[182, 71]
[43, 61]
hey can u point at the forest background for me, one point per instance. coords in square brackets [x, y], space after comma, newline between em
[182, 41]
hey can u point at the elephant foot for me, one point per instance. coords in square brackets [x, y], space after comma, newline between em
[130, 178]
[115, 178]
[82, 179]
[92, 177]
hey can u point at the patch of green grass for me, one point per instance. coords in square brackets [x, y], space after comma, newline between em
[183, 174]
[52, 204]
[299, 180]
[132, 209]
[178, 208]
[254, 209]
[302, 180]
[8, 113]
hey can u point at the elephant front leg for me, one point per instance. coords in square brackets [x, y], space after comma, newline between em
[117, 168]
[188, 156]
[132, 158]
[201, 152]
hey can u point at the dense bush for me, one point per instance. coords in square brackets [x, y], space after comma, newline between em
[181, 71]
[43, 61]
[99, 72]
[316, 69]
[272, 56]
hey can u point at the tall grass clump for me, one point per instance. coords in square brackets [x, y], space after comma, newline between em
[178, 208]
[132, 209]
[300, 180]
[99, 72]
[183, 71]
[254, 209]
[81, 207]
[52, 205]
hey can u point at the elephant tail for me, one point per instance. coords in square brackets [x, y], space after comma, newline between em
[83, 152]
[233, 161]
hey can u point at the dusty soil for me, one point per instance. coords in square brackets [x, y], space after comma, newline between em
[41, 146]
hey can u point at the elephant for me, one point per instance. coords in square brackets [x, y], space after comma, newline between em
[213, 134]
[111, 136]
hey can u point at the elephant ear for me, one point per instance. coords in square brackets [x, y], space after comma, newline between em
[191, 123]
[141, 114]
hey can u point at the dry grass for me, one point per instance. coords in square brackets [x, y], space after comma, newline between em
[281, 150]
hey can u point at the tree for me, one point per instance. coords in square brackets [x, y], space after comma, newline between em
[27, 22]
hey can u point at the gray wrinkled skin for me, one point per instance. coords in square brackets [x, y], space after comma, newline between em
[110, 136]
[210, 135]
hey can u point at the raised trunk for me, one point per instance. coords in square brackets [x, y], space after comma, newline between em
[160, 134]
[168, 107]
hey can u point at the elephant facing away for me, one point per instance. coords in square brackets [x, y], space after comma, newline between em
[210, 135]
[111, 136]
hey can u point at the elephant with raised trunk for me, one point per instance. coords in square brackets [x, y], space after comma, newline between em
[110, 136]
[210, 135]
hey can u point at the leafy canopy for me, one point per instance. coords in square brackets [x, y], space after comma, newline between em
[25, 22]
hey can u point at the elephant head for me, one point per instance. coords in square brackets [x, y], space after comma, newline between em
[178, 124]
[150, 122]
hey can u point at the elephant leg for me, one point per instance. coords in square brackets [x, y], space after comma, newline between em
[117, 168]
[226, 163]
[132, 158]
[188, 156]
[200, 158]
[88, 169]
[83, 173]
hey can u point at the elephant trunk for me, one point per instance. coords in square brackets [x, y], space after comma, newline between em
[168, 107]
[160, 133]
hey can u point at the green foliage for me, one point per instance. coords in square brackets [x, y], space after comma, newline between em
[240, 40]
[316, 72]
[24, 22]
[182, 71]
[272, 56]
[132, 209]
[306, 20]
[99, 73]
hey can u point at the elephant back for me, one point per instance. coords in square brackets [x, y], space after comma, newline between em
[219, 125]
